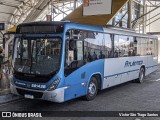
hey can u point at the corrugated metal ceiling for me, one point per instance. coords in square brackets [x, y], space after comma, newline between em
[7, 8]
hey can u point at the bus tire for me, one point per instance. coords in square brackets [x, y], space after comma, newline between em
[92, 89]
[141, 75]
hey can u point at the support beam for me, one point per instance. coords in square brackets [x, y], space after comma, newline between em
[153, 21]
[6, 46]
[6, 13]
[150, 2]
[59, 10]
[75, 1]
[153, 17]
[121, 18]
[129, 25]
[153, 33]
[22, 12]
[146, 14]
[22, 1]
[1, 3]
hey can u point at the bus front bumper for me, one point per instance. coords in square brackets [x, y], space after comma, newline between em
[56, 95]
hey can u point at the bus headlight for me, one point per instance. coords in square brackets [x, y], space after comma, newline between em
[53, 85]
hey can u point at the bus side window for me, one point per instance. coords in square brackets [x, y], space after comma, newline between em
[108, 45]
[155, 50]
[150, 49]
[138, 46]
[132, 51]
[124, 46]
[97, 46]
[116, 46]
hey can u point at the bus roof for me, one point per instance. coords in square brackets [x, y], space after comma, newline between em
[110, 29]
[125, 31]
[107, 29]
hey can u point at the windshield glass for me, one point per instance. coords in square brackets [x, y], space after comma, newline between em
[37, 55]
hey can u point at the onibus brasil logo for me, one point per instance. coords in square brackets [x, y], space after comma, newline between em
[18, 114]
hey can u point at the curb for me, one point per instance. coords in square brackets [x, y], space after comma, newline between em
[4, 91]
[8, 98]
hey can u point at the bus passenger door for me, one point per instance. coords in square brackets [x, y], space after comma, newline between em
[75, 77]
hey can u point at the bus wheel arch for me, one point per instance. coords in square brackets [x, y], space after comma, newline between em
[99, 80]
[93, 84]
[141, 75]
[143, 68]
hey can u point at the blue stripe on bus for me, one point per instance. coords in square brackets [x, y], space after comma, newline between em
[127, 72]
[152, 66]
[120, 73]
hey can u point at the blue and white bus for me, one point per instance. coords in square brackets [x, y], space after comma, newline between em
[59, 61]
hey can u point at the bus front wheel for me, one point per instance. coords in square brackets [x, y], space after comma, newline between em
[92, 89]
[141, 75]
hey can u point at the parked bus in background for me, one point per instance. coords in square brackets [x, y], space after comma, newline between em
[59, 61]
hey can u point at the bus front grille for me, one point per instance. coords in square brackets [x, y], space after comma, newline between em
[37, 79]
[35, 94]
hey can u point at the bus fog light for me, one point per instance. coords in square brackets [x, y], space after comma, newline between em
[54, 85]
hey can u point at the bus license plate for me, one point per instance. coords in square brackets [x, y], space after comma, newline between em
[29, 96]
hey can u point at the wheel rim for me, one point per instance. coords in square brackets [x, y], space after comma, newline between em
[141, 76]
[92, 89]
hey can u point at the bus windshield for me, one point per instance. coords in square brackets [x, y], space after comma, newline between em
[37, 55]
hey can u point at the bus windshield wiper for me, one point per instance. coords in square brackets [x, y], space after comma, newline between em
[39, 47]
[31, 55]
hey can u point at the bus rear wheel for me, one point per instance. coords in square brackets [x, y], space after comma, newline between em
[92, 89]
[141, 75]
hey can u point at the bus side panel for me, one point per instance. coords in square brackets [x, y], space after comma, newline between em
[152, 64]
[114, 70]
[79, 79]
[120, 70]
